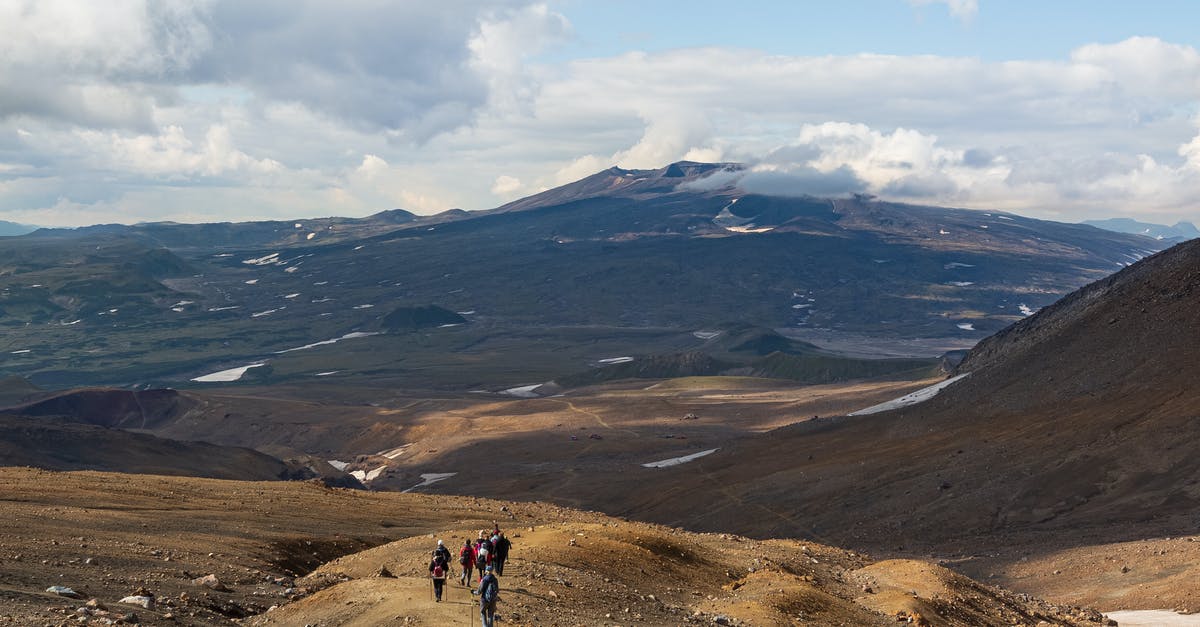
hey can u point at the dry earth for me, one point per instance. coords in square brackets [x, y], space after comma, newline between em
[107, 536]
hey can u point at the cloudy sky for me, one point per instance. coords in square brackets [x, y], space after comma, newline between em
[206, 110]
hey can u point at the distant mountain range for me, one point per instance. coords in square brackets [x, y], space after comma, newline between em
[1179, 232]
[12, 228]
[637, 263]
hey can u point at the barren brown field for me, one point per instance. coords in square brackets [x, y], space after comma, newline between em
[315, 554]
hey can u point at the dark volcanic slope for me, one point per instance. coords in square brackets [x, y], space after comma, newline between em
[1082, 419]
[62, 444]
[123, 409]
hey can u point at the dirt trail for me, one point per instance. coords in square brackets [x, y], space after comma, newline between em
[379, 601]
[598, 418]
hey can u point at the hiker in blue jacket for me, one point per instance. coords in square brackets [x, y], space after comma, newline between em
[489, 593]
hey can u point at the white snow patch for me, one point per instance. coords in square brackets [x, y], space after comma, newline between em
[224, 308]
[802, 306]
[961, 283]
[262, 261]
[292, 295]
[614, 360]
[365, 476]
[881, 260]
[264, 313]
[394, 453]
[223, 255]
[233, 374]
[322, 300]
[966, 326]
[338, 464]
[360, 247]
[310, 236]
[706, 335]
[177, 309]
[361, 306]
[326, 374]
[919, 396]
[957, 264]
[1025, 309]
[349, 336]
[943, 232]
[291, 269]
[750, 228]
[73, 322]
[1153, 618]
[675, 461]
[182, 303]
[321, 283]
[251, 281]
[431, 478]
[524, 391]
[466, 313]
[299, 226]
[22, 351]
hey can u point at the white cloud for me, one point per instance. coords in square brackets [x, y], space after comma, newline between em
[372, 166]
[503, 43]
[171, 153]
[218, 109]
[964, 10]
[506, 187]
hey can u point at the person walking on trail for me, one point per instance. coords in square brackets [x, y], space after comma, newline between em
[437, 572]
[489, 594]
[466, 557]
[443, 551]
[500, 552]
[483, 557]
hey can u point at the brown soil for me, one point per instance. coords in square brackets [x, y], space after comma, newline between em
[109, 535]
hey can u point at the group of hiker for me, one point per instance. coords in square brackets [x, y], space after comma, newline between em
[486, 557]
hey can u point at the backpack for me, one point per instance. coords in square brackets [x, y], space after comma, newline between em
[481, 557]
[491, 590]
[464, 556]
[438, 571]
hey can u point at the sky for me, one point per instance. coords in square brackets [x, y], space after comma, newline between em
[230, 110]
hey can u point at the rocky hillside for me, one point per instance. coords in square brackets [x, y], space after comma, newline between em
[127, 548]
[62, 444]
[1073, 427]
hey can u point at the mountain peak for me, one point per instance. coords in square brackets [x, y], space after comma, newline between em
[616, 181]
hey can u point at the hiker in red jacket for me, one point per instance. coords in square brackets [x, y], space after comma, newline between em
[466, 557]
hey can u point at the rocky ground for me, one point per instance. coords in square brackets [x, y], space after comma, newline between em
[204, 552]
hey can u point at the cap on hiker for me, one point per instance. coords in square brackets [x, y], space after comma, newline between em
[439, 543]
[489, 568]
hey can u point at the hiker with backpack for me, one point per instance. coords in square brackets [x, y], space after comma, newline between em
[466, 558]
[483, 557]
[437, 572]
[489, 594]
[500, 552]
[443, 551]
